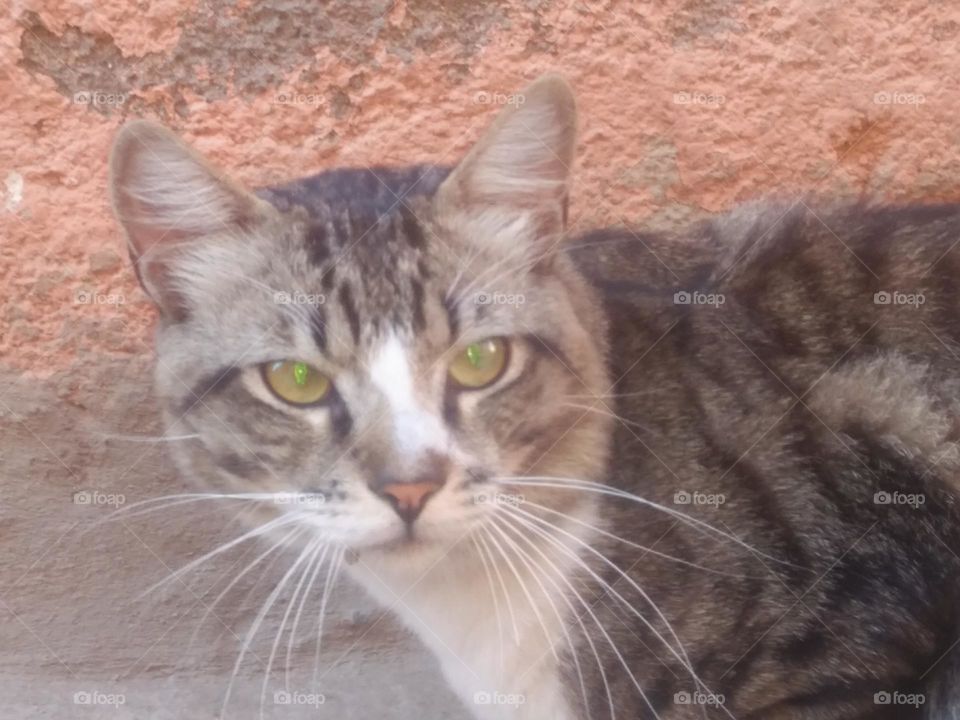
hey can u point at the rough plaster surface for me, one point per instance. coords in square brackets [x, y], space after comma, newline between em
[687, 108]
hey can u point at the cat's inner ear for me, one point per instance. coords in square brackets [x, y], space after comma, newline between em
[168, 199]
[519, 171]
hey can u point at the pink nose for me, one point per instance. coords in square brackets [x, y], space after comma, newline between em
[408, 498]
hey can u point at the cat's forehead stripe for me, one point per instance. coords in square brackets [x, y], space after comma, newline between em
[318, 329]
[350, 311]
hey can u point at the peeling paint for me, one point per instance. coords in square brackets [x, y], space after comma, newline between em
[13, 191]
[223, 48]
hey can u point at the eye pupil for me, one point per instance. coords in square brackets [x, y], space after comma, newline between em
[474, 354]
[300, 372]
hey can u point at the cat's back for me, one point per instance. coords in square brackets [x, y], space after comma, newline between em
[800, 285]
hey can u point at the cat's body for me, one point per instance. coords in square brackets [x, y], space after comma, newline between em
[790, 395]
[797, 400]
[719, 471]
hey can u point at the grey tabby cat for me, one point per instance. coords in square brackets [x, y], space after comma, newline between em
[611, 476]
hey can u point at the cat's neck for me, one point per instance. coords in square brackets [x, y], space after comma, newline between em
[496, 610]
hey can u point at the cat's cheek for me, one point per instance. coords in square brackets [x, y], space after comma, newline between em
[359, 522]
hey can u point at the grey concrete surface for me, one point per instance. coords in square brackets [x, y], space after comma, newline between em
[76, 641]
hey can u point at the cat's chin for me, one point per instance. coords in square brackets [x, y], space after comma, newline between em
[406, 547]
[403, 545]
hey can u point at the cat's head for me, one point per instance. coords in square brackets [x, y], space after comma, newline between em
[385, 369]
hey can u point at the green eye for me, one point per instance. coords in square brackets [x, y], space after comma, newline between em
[296, 382]
[479, 363]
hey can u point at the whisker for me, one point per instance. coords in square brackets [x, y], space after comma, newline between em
[578, 617]
[139, 508]
[333, 572]
[638, 546]
[147, 438]
[496, 602]
[529, 563]
[312, 550]
[239, 576]
[296, 618]
[484, 276]
[261, 614]
[685, 660]
[603, 396]
[506, 594]
[552, 526]
[603, 630]
[256, 532]
[526, 592]
[682, 656]
[605, 413]
[589, 486]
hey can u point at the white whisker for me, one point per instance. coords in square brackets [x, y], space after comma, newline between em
[638, 546]
[256, 561]
[578, 618]
[296, 618]
[310, 551]
[496, 603]
[332, 572]
[589, 486]
[530, 563]
[506, 593]
[147, 438]
[523, 587]
[605, 412]
[603, 630]
[256, 532]
[680, 656]
[264, 609]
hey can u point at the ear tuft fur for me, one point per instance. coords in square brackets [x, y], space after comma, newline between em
[166, 197]
[521, 166]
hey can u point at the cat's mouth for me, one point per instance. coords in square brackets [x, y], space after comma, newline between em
[411, 538]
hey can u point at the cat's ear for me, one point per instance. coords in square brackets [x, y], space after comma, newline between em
[518, 174]
[167, 198]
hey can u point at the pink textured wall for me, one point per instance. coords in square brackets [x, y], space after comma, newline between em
[786, 96]
[687, 108]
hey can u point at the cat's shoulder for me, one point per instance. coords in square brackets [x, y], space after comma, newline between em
[756, 237]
